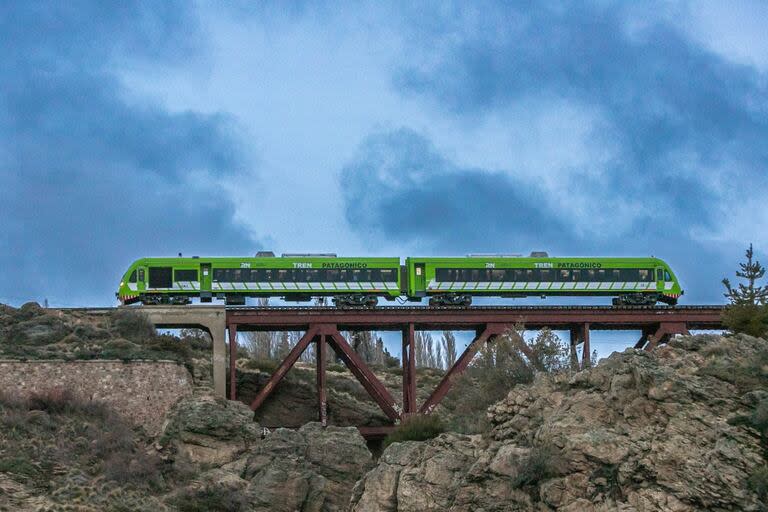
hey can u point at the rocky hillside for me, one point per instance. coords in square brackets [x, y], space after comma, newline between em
[680, 429]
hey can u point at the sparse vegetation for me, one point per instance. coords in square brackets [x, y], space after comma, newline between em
[500, 365]
[538, 465]
[417, 428]
[758, 482]
[211, 499]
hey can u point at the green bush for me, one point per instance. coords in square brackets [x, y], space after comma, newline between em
[538, 465]
[421, 427]
[758, 482]
[749, 319]
[19, 466]
[264, 365]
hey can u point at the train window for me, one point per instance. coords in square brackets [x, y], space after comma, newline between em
[546, 275]
[601, 275]
[185, 275]
[132, 279]
[644, 274]
[375, 274]
[667, 276]
[141, 275]
[237, 275]
[529, 275]
[313, 275]
[659, 274]
[388, 276]
[590, 275]
[497, 275]
[565, 275]
[628, 274]
[615, 275]
[160, 277]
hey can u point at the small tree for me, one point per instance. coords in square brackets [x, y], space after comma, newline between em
[749, 293]
[748, 312]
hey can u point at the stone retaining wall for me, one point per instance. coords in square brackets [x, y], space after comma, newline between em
[141, 391]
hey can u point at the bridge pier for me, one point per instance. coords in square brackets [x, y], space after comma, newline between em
[212, 319]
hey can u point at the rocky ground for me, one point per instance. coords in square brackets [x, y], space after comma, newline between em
[678, 430]
[681, 429]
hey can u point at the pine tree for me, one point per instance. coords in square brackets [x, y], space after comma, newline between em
[748, 294]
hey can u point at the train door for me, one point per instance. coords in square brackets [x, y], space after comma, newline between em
[205, 282]
[420, 279]
[659, 278]
[141, 276]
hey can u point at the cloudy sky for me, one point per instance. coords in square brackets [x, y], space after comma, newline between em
[586, 128]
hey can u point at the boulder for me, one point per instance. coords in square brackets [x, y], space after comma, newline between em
[309, 469]
[209, 430]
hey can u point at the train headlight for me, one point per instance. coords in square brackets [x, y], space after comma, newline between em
[122, 283]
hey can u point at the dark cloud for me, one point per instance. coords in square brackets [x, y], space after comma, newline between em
[399, 187]
[91, 181]
[668, 103]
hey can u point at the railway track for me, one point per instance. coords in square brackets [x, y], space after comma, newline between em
[405, 309]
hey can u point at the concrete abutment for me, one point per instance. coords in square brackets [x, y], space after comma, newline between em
[209, 318]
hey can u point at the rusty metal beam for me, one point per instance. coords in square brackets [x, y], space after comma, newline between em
[286, 365]
[424, 318]
[457, 369]
[359, 369]
[664, 332]
[321, 396]
[586, 354]
[233, 362]
[409, 371]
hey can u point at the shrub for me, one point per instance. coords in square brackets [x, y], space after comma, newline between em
[211, 499]
[749, 319]
[264, 365]
[132, 325]
[421, 427]
[19, 466]
[758, 482]
[746, 376]
[538, 465]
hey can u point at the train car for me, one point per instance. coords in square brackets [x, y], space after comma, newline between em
[293, 277]
[454, 281]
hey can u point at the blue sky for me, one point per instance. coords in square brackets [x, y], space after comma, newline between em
[594, 128]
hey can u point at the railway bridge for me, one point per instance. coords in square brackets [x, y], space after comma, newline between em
[323, 326]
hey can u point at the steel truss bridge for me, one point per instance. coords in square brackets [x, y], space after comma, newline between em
[323, 327]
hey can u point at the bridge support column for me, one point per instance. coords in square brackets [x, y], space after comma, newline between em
[233, 362]
[665, 331]
[409, 371]
[586, 356]
[573, 354]
[320, 361]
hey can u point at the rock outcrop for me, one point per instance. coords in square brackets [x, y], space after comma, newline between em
[308, 469]
[661, 431]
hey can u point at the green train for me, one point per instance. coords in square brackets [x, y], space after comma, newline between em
[361, 282]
